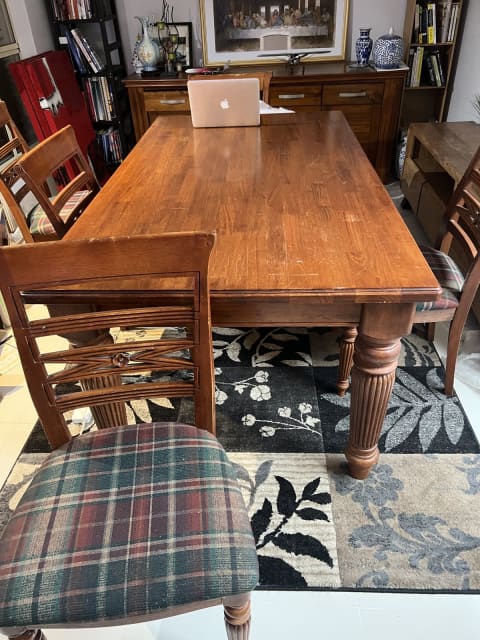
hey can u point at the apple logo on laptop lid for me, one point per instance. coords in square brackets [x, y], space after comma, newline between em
[224, 104]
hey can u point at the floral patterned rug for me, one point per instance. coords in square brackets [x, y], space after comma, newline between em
[413, 525]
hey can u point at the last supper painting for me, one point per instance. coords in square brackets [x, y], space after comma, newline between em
[258, 32]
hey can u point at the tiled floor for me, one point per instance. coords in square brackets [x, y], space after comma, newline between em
[282, 615]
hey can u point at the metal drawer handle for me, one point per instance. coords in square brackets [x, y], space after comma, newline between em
[352, 94]
[173, 101]
[291, 96]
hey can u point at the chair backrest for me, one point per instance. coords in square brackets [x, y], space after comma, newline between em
[81, 290]
[462, 218]
[264, 78]
[12, 146]
[49, 164]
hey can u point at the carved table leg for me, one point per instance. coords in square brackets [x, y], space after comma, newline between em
[237, 617]
[108, 415]
[347, 347]
[374, 362]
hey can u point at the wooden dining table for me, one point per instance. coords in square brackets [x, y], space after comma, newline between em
[306, 236]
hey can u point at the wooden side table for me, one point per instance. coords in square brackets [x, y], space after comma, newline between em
[436, 158]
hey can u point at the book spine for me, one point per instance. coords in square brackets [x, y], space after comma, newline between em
[411, 56]
[431, 73]
[74, 50]
[436, 71]
[447, 11]
[431, 24]
[87, 51]
[440, 68]
[418, 70]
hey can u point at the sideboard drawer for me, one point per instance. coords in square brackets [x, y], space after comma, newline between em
[296, 95]
[158, 101]
[358, 93]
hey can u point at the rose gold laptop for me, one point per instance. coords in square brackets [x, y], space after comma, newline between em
[224, 103]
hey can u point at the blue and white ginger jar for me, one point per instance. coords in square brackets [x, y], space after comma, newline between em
[388, 51]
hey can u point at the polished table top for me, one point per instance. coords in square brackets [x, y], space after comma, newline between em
[306, 236]
[298, 209]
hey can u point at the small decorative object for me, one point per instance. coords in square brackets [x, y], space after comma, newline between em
[388, 51]
[136, 62]
[148, 52]
[476, 104]
[363, 47]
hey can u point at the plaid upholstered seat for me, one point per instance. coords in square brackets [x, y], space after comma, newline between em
[39, 221]
[126, 522]
[449, 277]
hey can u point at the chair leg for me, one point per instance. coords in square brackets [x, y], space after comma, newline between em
[29, 634]
[454, 337]
[237, 611]
[430, 331]
[347, 347]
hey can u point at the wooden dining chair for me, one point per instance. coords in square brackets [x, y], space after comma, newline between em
[456, 265]
[135, 522]
[264, 78]
[12, 146]
[48, 187]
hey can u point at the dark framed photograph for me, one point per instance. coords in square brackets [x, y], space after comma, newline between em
[272, 31]
[184, 49]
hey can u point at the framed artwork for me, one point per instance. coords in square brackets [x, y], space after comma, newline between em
[184, 49]
[257, 31]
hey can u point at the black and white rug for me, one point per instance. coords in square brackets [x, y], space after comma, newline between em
[414, 524]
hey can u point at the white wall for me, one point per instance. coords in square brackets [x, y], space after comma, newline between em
[363, 13]
[467, 77]
[30, 22]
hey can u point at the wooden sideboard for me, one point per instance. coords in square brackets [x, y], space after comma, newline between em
[370, 101]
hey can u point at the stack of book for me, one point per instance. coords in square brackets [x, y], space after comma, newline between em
[109, 140]
[449, 13]
[80, 9]
[84, 55]
[435, 21]
[425, 67]
[100, 98]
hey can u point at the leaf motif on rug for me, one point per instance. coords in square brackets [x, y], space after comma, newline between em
[418, 412]
[289, 502]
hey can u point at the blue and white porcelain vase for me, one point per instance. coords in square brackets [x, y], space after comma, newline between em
[148, 52]
[363, 47]
[388, 51]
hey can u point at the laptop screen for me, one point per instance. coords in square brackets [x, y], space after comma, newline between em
[232, 102]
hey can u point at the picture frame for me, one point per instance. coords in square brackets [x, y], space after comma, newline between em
[312, 29]
[185, 42]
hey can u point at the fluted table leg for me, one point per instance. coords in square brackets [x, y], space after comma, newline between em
[377, 348]
[347, 347]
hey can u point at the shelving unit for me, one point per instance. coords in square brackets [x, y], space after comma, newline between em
[428, 102]
[89, 32]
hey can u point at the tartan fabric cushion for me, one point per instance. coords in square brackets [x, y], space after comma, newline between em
[448, 300]
[39, 222]
[125, 522]
[444, 268]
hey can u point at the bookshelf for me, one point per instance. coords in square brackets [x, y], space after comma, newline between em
[432, 37]
[88, 30]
